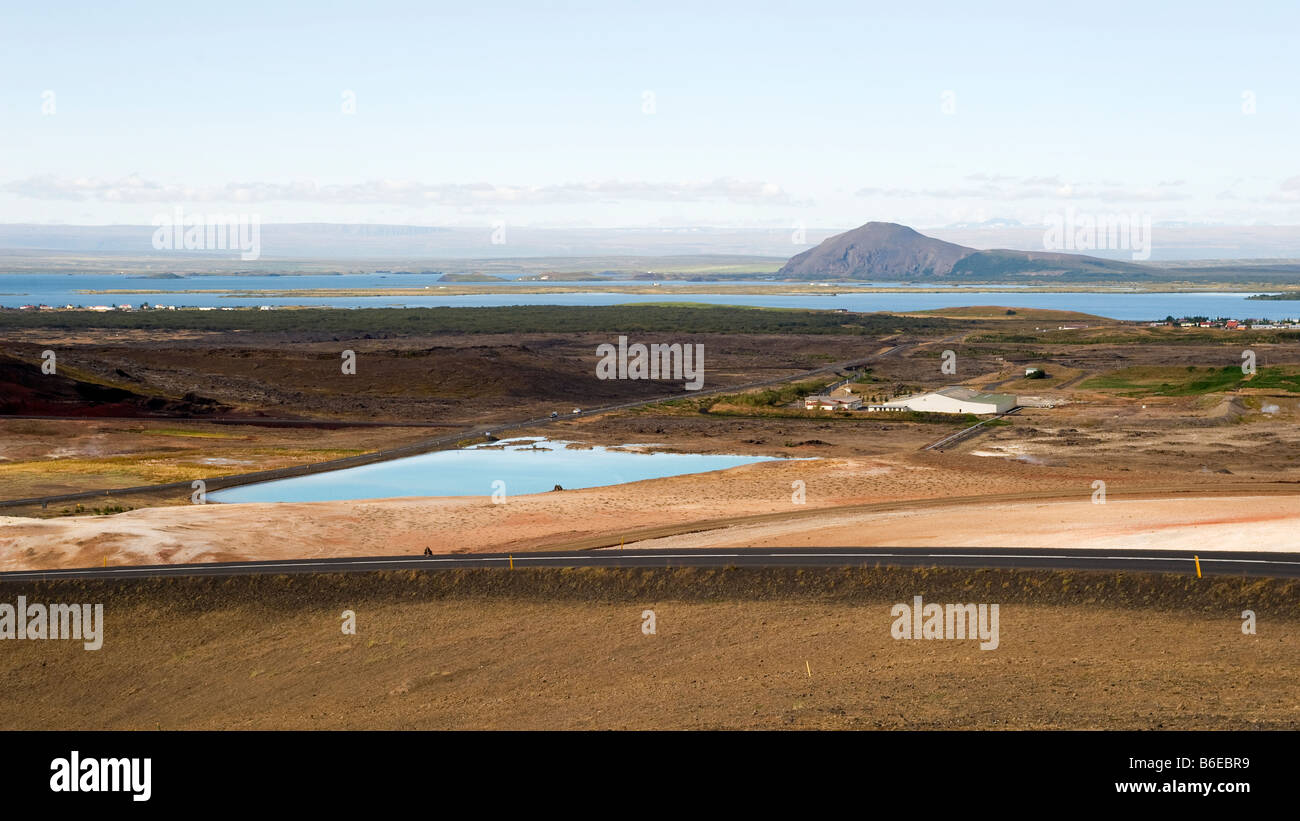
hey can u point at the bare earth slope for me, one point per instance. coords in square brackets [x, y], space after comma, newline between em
[732, 649]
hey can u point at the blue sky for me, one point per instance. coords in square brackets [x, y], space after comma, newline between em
[674, 114]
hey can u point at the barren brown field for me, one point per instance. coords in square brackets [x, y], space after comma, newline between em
[732, 650]
[463, 379]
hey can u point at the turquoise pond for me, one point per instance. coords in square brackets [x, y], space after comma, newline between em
[525, 466]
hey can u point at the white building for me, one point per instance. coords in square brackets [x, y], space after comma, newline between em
[951, 400]
[847, 402]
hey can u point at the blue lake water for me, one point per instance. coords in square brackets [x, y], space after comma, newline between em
[472, 471]
[62, 289]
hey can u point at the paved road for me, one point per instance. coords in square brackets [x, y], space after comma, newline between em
[1213, 563]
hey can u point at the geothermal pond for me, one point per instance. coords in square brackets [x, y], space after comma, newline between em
[523, 465]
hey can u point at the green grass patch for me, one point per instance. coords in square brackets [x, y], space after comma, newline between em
[774, 397]
[189, 434]
[1150, 380]
[1282, 379]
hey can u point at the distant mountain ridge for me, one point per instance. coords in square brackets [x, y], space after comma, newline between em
[768, 245]
[874, 250]
[886, 250]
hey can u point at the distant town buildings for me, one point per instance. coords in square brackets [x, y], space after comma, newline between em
[1228, 324]
[125, 307]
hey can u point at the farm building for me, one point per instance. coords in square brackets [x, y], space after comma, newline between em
[847, 402]
[951, 400]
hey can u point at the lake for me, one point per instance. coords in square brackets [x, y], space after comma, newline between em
[62, 289]
[524, 465]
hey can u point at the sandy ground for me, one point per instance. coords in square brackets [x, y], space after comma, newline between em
[1220, 523]
[466, 663]
[930, 501]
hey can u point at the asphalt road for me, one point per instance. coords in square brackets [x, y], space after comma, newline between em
[1212, 563]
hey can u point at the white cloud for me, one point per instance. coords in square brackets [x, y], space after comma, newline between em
[1001, 188]
[1287, 191]
[135, 189]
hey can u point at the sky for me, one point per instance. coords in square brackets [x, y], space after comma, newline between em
[668, 114]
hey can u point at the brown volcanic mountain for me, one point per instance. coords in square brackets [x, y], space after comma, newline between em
[26, 391]
[877, 249]
[886, 250]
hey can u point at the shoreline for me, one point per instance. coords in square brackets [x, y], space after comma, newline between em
[721, 289]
